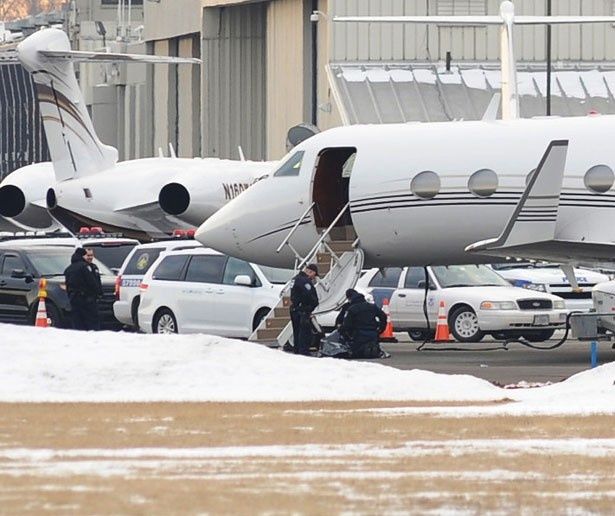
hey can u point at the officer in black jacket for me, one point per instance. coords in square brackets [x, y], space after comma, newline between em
[84, 287]
[303, 301]
[362, 324]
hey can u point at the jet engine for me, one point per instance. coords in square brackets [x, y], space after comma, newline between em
[194, 196]
[22, 197]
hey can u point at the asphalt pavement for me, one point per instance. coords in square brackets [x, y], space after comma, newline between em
[517, 363]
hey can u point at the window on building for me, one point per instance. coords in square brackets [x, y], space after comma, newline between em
[461, 7]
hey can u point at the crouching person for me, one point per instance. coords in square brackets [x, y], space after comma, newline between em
[362, 323]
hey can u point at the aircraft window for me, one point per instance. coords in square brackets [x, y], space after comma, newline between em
[483, 183]
[388, 277]
[291, 166]
[599, 179]
[426, 184]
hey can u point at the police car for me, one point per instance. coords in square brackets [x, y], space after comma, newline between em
[109, 248]
[131, 273]
[477, 302]
[549, 278]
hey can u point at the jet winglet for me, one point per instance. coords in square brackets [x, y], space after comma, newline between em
[535, 217]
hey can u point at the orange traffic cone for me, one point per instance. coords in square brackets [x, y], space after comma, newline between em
[442, 331]
[41, 314]
[387, 334]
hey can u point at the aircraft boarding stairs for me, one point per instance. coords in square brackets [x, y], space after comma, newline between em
[339, 259]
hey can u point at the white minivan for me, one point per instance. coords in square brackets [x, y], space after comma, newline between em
[204, 291]
[136, 264]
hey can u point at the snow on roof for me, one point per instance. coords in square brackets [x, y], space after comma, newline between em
[52, 365]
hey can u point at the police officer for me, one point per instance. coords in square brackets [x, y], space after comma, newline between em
[84, 287]
[362, 324]
[303, 301]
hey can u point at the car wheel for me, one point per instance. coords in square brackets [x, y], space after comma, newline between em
[538, 335]
[258, 318]
[165, 322]
[464, 325]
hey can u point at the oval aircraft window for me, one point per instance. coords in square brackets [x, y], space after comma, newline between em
[599, 179]
[483, 182]
[426, 184]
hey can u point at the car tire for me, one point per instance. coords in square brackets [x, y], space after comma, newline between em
[538, 335]
[421, 335]
[164, 322]
[258, 318]
[463, 323]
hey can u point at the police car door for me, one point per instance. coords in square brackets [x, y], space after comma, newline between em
[407, 302]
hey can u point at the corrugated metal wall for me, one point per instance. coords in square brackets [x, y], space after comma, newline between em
[362, 42]
[234, 79]
[22, 138]
[288, 72]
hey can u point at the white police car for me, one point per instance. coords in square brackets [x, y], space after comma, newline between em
[549, 278]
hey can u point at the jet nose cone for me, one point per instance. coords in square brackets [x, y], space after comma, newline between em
[218, 232]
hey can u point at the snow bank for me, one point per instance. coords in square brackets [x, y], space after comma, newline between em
[38, 365]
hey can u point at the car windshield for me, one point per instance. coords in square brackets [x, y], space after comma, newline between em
[468, 276]
[277, 276]
[53, 262]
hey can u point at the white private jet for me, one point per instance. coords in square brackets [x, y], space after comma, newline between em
[91, 187]
[430, 193]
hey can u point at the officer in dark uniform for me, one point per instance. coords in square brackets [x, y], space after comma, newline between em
[303, 301]
[83, 287]
[362, 323]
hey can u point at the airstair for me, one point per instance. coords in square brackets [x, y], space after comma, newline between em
[339, 260]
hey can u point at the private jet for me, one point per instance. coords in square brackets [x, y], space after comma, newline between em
[91, 188]
[438, 193]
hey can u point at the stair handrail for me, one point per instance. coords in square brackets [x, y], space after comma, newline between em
[292, 231]
[324, 235]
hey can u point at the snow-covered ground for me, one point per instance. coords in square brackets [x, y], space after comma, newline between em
[38, 365]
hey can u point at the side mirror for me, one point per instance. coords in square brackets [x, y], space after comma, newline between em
[421, 285]
[21, 274]
[115, 270]
[244, 280]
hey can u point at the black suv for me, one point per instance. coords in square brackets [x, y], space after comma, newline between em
[20, 272]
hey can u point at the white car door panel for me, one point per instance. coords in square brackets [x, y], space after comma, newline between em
[235, 306]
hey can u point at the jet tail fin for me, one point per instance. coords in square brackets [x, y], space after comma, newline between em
[535, 217]
[73, 144]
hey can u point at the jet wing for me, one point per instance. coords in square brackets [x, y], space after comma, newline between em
[84, 56]
[530, 232]
[152, 219]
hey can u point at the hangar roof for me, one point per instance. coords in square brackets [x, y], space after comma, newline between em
[389, 93]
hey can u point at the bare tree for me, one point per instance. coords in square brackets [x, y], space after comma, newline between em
[10, 9]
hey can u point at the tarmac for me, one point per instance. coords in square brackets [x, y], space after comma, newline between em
[490, 361]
